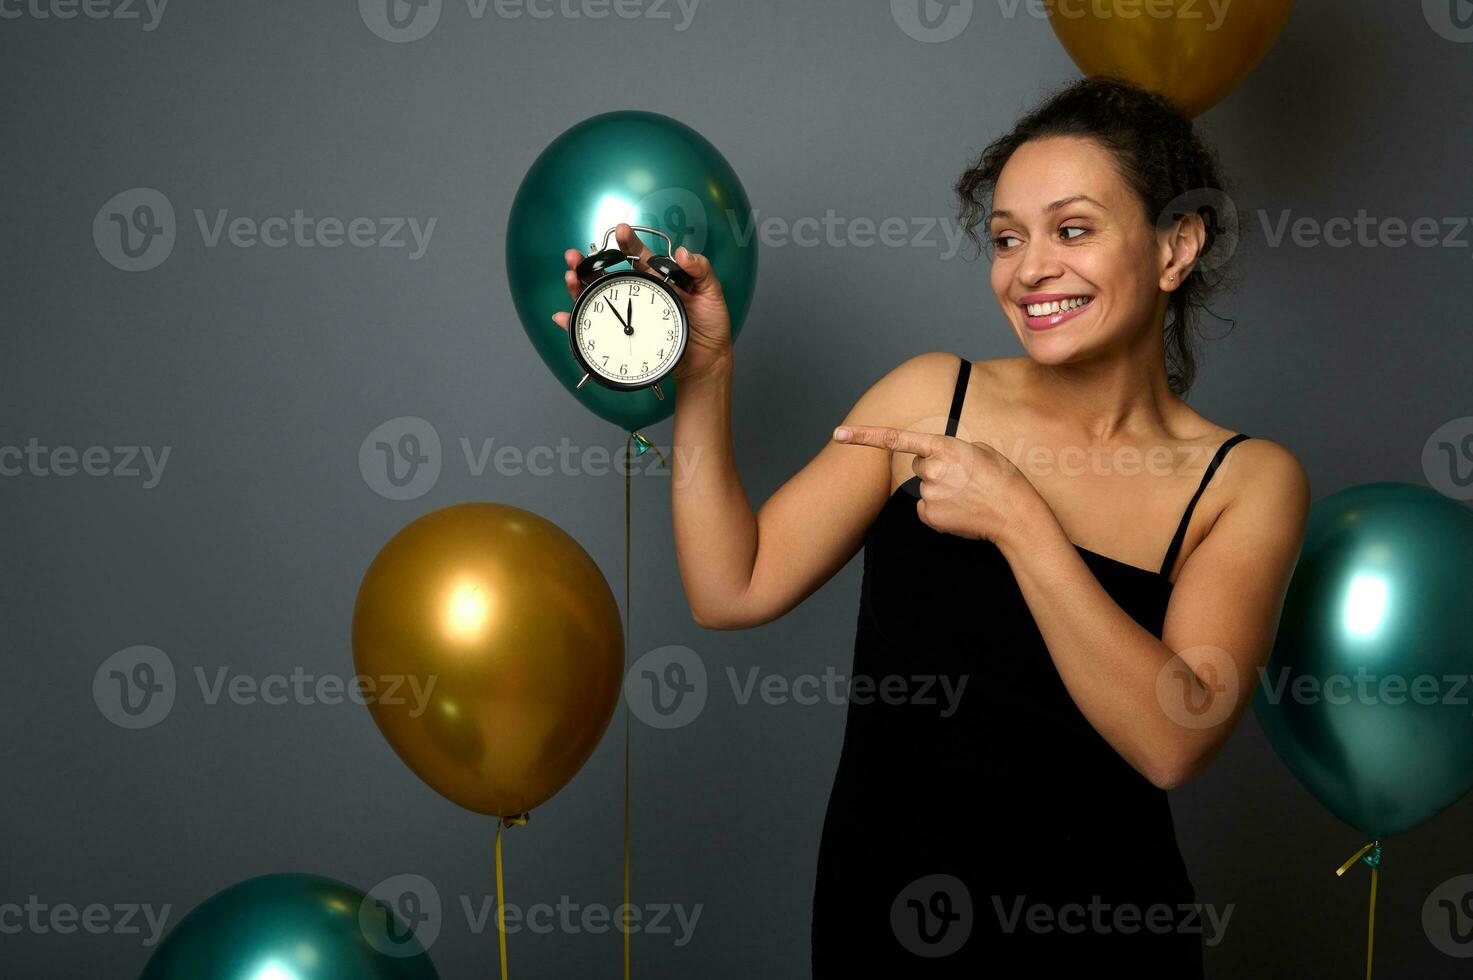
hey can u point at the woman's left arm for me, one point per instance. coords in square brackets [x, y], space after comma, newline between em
[1166, 705]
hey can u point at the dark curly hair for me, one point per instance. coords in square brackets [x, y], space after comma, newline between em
[1160, 156]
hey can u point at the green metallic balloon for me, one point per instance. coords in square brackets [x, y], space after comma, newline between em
[646, 169]
[290, 927]
[1366, 696]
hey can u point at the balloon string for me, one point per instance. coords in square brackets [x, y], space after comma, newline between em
[628, 623]
[1374, 860]
[636, 445]
[518, 820]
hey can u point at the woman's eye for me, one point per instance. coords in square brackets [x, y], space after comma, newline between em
[1068, 228]
[1004, 242]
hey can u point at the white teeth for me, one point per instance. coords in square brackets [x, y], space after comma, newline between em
[1057, 306]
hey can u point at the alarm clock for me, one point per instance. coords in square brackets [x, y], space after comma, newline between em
[628, 328]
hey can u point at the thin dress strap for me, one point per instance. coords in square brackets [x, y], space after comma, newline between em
[954, 416]
[1181, 529]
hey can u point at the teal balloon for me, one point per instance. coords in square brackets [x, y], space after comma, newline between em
[646, 169]
[1375, 635]
[290, 927]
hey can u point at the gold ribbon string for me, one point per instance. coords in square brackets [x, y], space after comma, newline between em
[628, 458]
[1374, 860]
[637, 445]
[520, 820]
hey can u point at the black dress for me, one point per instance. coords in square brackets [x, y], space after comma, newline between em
[978, 825]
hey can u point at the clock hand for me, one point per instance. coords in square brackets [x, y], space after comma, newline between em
[629, 316]
[619, 318]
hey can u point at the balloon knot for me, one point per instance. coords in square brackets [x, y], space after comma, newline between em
[515, 820]
[1370, 854]
[643, 445]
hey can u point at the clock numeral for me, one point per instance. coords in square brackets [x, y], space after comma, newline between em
[591, 344]
[623, 368]
[644, 367]
[606, 360]
[634, 289]
[667, 314]
[613, 296]
[598, 306]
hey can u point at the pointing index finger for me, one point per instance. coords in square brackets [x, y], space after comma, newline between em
[885, 437]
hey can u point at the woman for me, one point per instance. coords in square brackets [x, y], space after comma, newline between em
[1067, 593]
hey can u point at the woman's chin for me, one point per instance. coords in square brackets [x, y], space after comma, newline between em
[1049, 346]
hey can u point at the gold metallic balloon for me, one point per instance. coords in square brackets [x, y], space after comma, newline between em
[503, 646]
[1192, 51]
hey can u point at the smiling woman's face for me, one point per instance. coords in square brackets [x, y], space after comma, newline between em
[1077, 264]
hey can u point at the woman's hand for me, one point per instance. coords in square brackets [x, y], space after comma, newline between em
[967, 488]
[705, 306]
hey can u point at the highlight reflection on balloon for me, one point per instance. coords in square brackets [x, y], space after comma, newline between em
[290, 927]
[1192, 52]
[1359, 698]
[510, 632]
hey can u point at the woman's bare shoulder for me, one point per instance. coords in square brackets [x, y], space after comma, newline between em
[1253, 457]
[1256, 476]
[1266, 466]
[915, 392]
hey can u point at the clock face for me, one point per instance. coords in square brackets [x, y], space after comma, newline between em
[629, 330]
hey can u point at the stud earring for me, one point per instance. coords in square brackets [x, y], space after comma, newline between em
[1172, 277]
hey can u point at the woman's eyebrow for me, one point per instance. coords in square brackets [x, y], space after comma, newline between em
[1075, 199]
[1062, 202]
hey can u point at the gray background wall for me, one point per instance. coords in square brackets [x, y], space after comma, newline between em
[263, 370]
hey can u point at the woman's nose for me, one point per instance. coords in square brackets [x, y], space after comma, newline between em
[1040, 263]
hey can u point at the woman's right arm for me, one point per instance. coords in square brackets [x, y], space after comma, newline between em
[742, 569]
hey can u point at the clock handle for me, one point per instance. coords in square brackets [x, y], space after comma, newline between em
[665, 266]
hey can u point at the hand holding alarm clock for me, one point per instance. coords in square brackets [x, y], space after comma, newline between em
[663, 316]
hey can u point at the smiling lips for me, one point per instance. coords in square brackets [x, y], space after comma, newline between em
[1044, 310]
